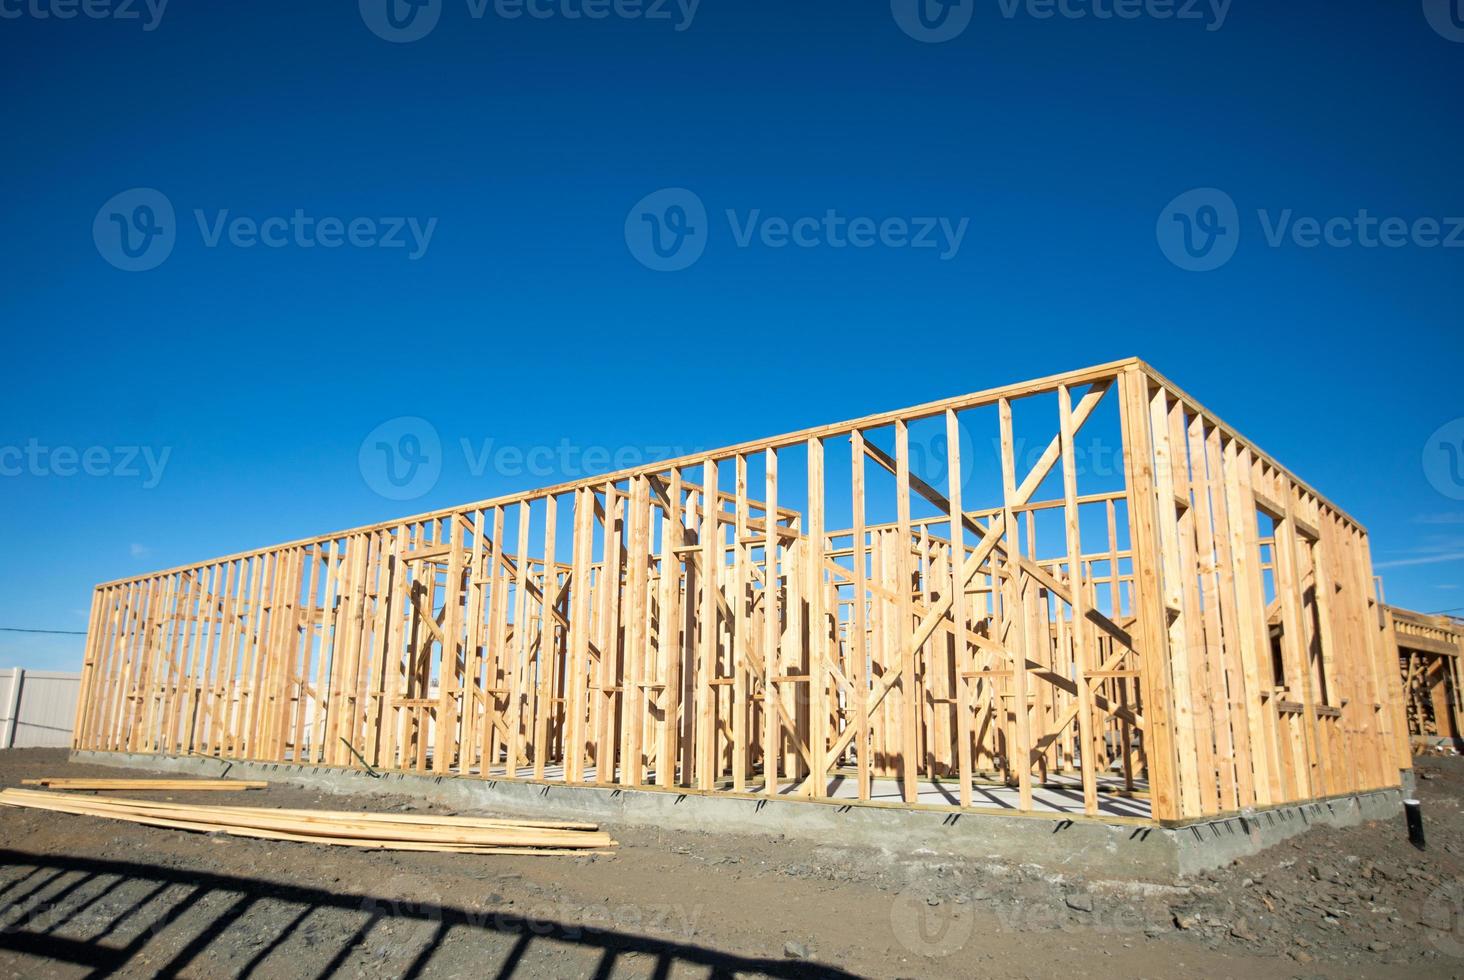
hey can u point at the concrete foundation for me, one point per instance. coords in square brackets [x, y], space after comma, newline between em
[1100, 847]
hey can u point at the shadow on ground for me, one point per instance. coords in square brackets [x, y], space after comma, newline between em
[111, 916]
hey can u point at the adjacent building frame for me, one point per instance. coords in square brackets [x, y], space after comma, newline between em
[1427, 650]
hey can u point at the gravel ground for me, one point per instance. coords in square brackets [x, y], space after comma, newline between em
[83, 895]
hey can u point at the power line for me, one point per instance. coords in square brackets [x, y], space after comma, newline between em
[17, 629]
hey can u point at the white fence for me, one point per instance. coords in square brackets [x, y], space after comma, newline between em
[37, 707]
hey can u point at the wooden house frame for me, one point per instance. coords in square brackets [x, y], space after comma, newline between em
[1428, 650]
[824, 615]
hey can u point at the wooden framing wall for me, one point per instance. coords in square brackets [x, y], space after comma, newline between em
[1201, 630]
[1427, 650]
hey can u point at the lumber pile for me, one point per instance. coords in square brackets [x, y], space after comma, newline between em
[148, 785]
[388, 831]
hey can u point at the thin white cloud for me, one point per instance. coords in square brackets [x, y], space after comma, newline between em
[140, 551]
[1430, 560]
[1439, 519]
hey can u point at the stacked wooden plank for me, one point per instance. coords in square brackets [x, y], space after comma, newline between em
[148, 785]
[388, 831]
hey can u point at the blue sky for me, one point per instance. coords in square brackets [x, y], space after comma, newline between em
[481, 277]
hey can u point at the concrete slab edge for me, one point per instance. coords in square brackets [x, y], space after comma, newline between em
[1073, 846]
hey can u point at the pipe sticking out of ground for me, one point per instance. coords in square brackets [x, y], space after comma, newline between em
[1414, 814]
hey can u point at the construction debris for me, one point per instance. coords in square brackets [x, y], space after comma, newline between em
[399, 832]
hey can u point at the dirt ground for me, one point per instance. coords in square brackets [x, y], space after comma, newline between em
[84, 895]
